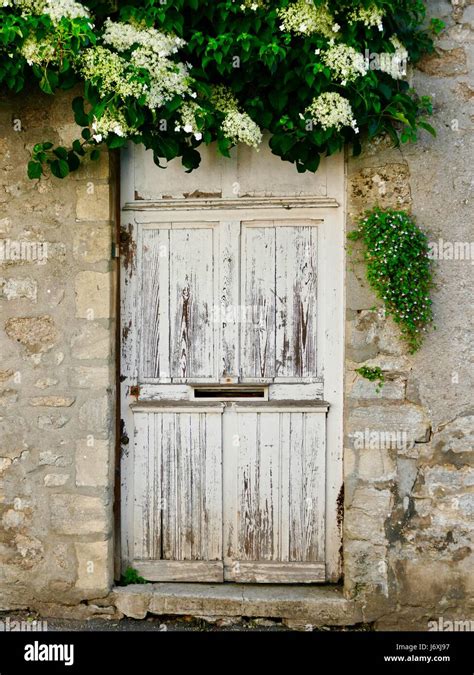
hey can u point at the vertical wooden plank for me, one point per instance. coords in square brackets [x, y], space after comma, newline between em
[313, 480]
[170, 488]
[231, 443]
[248, 486]
[141, 484]
[296, 486]
[284, 475]
[191, 302]
[154, 314]
[268, 514]
[296, 301]
[210, 434]
[185, 502]
[228, 310]
[258, 297]
[157, 485]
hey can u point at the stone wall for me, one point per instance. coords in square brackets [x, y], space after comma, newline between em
[407, 536]
[408, 521]
[57, 373]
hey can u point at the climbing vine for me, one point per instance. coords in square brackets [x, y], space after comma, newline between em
[176, 74]
[398, 269]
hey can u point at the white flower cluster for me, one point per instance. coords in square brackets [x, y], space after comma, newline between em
[99, 63]
[369, 16]
[304, 18]
[123, 36]
[112, 121]
[252, 4]
[332, 111]
[188, 119]
[150, 51]
[167, 78]
[39, 51]
[395, 64]
[55, 9]
[237, 126]
[69, 9]
[345, 63]
[240, 128]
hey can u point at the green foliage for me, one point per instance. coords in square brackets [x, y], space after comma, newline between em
[131, 576]
[398, 269]
[374, 374]
[274, 74]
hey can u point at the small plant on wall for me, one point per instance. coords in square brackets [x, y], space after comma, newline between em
[398, 270]
[174, 75]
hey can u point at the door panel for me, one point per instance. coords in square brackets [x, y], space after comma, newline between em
[279, 290]
[191, 302]
[274, 492]
[258, 298]
[296, 298]
[178, 490]
[176, 332]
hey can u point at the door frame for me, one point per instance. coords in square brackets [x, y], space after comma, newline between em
[331, 287]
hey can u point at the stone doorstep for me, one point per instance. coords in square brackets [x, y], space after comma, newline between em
[298, 605]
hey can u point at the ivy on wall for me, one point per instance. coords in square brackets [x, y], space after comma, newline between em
[174, 74]
[399, 270]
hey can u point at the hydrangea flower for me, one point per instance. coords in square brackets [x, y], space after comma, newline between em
[150, 50]
[332, 111]
[345, 63]
[240, 128]
[304, 18]
[109, 72]
[395, 64]
[124, 36]
[39, 51]
[251, 4]
[188, 124]
[55, 9]
[237, 125]
[112, 121]
[369, 16]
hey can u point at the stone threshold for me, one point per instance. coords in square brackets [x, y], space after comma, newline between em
[296, 605]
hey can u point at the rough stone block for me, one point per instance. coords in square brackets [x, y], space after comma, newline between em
[93, 295]
[55, 479]
[93, 377]
[95, 415]
[365, 516]
[92, 463]
[37, 334]
[94, 567]
[93, 202]
[52, 401]
[93, 245]
[19, 289]
[80, 514]
[92, 341]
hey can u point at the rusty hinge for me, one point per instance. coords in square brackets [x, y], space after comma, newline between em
[135, 390]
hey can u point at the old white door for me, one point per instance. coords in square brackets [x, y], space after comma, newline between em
[232, 317]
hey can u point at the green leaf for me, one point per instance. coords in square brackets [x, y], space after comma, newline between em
[166, 147]
[78, 149]
[79, 114]
[35, 170]
[73, 161]
[114, 142]
[60, 152]
[59, 168]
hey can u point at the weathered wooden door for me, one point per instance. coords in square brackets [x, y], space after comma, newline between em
[231, 370]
